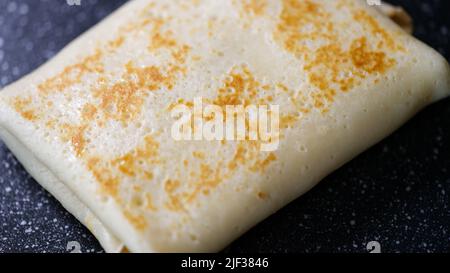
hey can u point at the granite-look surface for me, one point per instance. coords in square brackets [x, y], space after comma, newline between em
[397, 193]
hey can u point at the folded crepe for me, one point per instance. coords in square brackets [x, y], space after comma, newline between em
[93, 125]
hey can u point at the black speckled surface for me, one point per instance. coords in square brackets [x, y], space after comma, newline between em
[397, 193]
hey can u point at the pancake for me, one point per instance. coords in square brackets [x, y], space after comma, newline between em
[93, 124]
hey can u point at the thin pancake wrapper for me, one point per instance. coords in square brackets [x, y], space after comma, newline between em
[93, 125]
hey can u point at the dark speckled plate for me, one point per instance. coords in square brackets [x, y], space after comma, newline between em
[397, 193]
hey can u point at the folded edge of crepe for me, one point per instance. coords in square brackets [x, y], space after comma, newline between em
[62, 193]
[23, 140]
[37, 169]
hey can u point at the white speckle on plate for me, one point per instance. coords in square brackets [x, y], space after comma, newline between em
[23, 9]
[16, 71]
[12, 6]
[5, 66]
[29, 46]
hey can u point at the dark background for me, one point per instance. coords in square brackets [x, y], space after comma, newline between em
[397, 193]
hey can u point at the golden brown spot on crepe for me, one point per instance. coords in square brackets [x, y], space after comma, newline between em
[117, 42]
[29, 115]
[149, 201]
[249, 10]
[283, 87]
[248, 155]
[51, 124]
[78, 142]
[205, 180]
[174, 203]
[196, 2]
[299, 21]
[123, 100]
[73, 74]
[180, 56]
[160, 38]
[239, 158]
[253, 7]
[171, 185]
[75, 135]
[23, 107]
[332, 67]
[137, 188]
[261, 165]
[211, 27]
[196, 58]
[370, 22]
[149, 77]
[120, 101]
[263, 195]
[88, 112]
[368, 60]
[199, 155]
[159, 41]
[288, 120]
[126, 165]
[103, 174]
[148, 175]
[172, 105]
[137, 220]
[184, 190]
[136, 162]
[240, 88]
